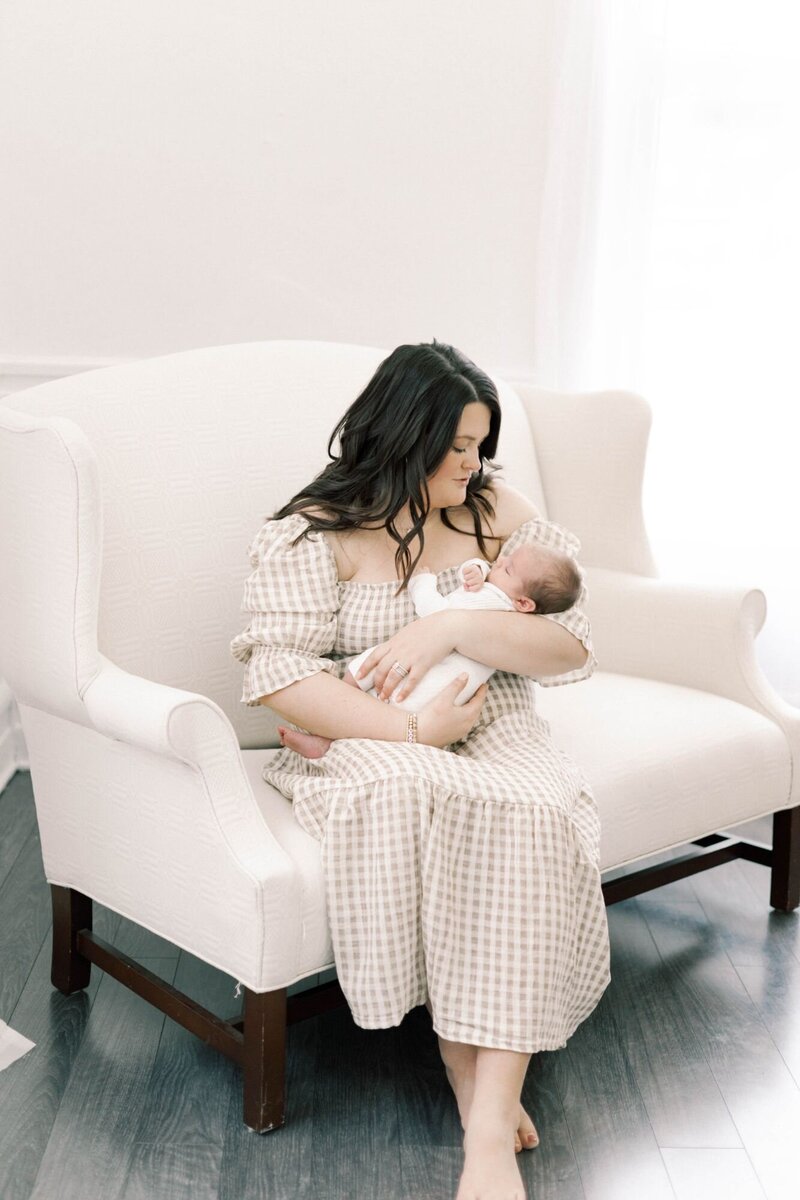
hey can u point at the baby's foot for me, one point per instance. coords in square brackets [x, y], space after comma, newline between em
[307, 744]
[490, 1167]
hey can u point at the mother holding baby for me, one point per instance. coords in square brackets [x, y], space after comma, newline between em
[460, 847]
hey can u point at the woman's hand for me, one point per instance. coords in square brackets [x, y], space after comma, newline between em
[442, 722]
[417, 647]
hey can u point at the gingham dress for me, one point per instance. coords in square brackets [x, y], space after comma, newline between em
[470, 874]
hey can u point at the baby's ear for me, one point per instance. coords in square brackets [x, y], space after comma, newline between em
[525, 604]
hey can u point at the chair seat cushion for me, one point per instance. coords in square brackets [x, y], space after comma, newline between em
[317, 952]
[667, 764]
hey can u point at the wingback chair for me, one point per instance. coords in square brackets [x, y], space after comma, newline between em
[129, 498]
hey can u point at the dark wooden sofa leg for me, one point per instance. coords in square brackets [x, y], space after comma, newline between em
[72, 911]
[264, 1060]
[785, 885]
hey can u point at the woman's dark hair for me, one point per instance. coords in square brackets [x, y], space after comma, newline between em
[392, 438]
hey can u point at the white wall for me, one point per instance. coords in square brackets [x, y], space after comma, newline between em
[197, 173]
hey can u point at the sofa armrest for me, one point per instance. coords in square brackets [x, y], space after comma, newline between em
[688, 634]
[192, 729]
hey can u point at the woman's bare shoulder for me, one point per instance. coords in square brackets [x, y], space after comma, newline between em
[512, 508]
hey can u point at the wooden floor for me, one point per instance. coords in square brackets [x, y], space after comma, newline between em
[682, 1083]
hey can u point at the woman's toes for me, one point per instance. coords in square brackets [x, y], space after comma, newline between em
[526, 1133]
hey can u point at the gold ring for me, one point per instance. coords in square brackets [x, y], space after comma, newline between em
[400, 670]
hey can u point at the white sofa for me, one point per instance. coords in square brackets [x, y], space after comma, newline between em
[129, 497]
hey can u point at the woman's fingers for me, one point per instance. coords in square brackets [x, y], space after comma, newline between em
[369, 662]
[388, 678]
[451, 691]
[391, 680]
[408, 684]
[479, 697]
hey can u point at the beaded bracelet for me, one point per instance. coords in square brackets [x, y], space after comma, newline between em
[411, 728]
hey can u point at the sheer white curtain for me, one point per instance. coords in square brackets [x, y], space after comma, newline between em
[608, 60]
[672, 267]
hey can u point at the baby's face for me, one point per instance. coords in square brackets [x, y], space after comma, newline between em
[513, 572]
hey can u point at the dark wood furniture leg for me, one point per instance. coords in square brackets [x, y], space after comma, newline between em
[257, 1042]
[72, 912]
[785, 886]
[264, 1060]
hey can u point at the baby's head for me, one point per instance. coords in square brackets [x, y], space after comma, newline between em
[537, 579]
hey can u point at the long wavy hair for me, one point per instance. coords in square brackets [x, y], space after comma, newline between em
[392, 438]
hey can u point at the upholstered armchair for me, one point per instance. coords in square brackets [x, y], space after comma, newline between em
[129, 498]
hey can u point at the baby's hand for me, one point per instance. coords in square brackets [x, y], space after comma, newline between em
[424, 570]
[473, 577]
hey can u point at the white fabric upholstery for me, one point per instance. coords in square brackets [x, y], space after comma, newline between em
[129, 498]
[189, 452]
[667, 763]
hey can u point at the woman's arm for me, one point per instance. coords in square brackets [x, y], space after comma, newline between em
[522, 643]
[326, 705]
[330, 707]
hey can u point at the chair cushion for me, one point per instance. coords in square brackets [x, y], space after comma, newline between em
[317, 951]
[667, 764]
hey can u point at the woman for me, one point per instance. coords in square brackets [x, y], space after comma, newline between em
[460, 846]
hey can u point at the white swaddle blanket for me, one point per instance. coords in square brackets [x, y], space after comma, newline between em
[428, 600]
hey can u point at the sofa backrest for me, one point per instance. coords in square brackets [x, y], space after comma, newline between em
[177, 462]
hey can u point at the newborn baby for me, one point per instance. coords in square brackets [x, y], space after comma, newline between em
[533, 579]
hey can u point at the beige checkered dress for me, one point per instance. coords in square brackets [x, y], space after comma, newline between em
[470, 874]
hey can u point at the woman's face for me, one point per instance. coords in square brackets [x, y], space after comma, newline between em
[448, 484]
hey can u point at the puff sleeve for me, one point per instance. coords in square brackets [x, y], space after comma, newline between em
[292, 598]
[556, 537]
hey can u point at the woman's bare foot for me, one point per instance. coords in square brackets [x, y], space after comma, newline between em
[461, 1077]
[307, 744]
[490, 1166]
[463, 1085]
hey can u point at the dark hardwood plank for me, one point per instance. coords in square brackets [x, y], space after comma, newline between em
[26, 918]
[551, 1171]
[191, 1084]
[759, 1090]
[354, 1149]
[427, 1110]
[278, 1165]
[609, 1125]
[17, 820]
[429, 1132]
[429, 1172]
[31, 1089]
[666, 1057]
[173, 1172]
[764, 947]
[90, 1147]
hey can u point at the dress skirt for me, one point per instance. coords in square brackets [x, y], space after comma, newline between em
[468, 875]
